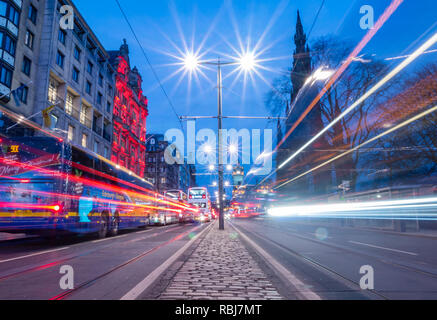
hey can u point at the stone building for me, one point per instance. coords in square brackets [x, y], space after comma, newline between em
[66, 68]
[130, 114]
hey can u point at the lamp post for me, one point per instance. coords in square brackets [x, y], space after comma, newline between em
[246, 62]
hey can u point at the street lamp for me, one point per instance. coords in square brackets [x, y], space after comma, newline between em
[247, 62]
[191, 62]
[233, 149]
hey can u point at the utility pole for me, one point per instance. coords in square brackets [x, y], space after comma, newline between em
[246, 62]
[220, 147]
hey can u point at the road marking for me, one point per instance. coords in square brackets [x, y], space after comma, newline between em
[34, 254]
[110, 238]
[152, 277]
[383, 248]
[303, 289]
[145, 231]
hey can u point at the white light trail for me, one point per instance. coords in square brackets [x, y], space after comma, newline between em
[360, 209]
[399, 126]
[369, 93]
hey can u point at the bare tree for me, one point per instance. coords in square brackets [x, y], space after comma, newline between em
[411, 152]
[357, 126]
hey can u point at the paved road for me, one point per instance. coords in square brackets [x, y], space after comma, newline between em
[328, 259]
[103, 269]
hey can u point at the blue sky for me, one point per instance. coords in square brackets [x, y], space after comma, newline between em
[164, 25]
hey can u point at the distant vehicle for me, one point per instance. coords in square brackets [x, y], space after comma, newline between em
[187, 214]
[199, 197]
[167, 213]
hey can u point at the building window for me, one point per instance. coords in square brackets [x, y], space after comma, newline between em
[9, 45]
[27, 66]
[89, 67]
[106, 153]
[69, 103]
[96, 147]
[5, 76]
[23, 93]
[32, 14]
[28, 41]
[76, 74]
[108, 107]
[71, 130]
[100, 80]
[62, 36]
[163, 180]
[88, 87]
[53, 91]
[83, 115]
[84, 140]
[13, 15]
[110, 90]
[77, 53]
[99, 98]
[60, 59]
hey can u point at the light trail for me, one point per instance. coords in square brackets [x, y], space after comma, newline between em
[378, 25]
[29, 206]
[369, 93]
[61, 175]
[126, 205]
[395, 128]
[406, 56]
[87, 169]
[363, 209]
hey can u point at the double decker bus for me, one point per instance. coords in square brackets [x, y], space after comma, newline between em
[49, 186]
[199, 197]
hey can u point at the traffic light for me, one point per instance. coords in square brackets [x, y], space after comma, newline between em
[46, 116]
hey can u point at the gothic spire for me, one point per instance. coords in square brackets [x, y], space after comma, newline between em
[300, 37]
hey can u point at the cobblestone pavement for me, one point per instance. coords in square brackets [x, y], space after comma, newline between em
[220, 269]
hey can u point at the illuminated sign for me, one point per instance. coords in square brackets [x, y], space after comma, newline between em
[11, 149]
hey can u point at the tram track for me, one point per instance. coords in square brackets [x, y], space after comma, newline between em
[85, 284]
[317, 265]
[80, 255]
[385, 261]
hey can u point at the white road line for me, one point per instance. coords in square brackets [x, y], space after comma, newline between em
[34, 254]
[111, 238]
[152, 277]
[303, 290]
[145, 231]
[383, 248]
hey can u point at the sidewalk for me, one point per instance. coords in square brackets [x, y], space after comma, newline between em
[220, 269]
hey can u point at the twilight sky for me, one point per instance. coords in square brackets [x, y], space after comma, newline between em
[164, 27]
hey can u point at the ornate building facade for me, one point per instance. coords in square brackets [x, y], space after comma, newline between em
[309, 127]
[129, 115]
